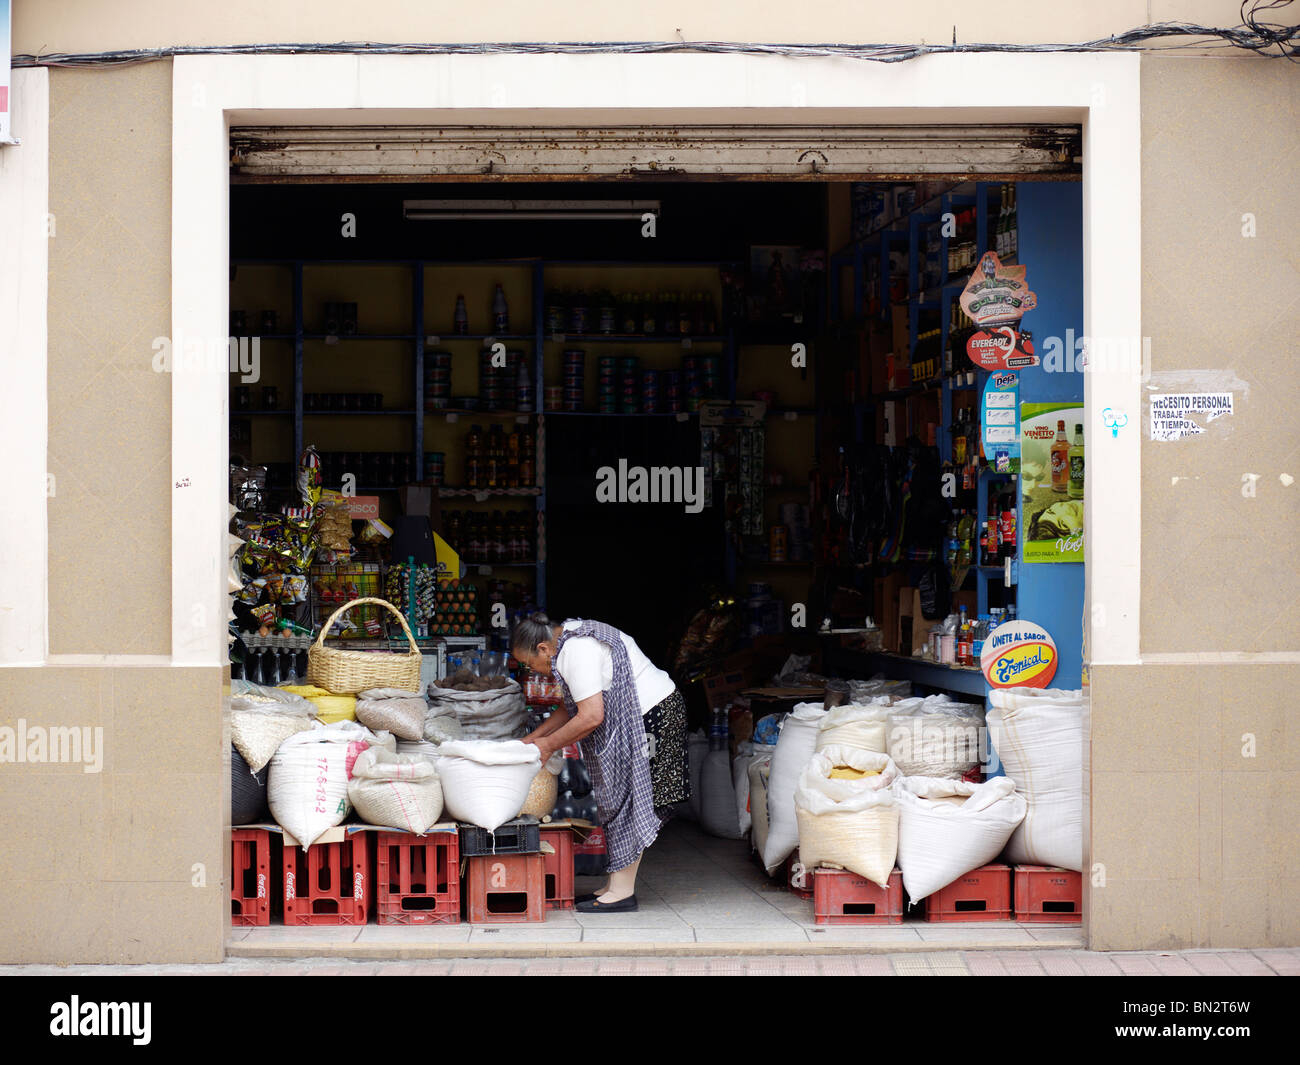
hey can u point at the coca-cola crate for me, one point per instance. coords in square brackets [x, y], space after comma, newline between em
[505, 889]
[983, 894]
[797, 878]
[558, 867]
[328, 883]
[250, 877]
[841, 897]
[1045, 894]
[589, 854]
[417, 878]
[520, 836]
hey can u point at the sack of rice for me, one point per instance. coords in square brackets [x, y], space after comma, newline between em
[936, 737]
[261, 721]
[441, 728]
[399, 711]
[485, 782]
[947, 828]
[794, 748]
[399, 791]
[848, 813]
[308, 788]
[760, 768]
[854, 726]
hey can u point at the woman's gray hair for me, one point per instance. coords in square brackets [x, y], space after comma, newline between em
[530, 631]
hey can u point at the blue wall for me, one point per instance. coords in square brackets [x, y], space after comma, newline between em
[1051, 246]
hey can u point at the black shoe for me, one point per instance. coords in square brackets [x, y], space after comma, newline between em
[584, 898]
[627, 905]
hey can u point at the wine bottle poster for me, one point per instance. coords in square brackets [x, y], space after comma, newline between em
[1052, 456]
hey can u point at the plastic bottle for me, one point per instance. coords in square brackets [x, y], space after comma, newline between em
[963, 640]
[523, 389]
[461, 326]
[500, 312]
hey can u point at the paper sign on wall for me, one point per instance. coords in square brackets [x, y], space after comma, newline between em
[1171, 413]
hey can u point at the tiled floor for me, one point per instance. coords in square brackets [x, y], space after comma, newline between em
[695, 891]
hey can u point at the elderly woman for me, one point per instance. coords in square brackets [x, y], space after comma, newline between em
[632, 721]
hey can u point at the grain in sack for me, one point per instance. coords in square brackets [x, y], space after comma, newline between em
[485, 782]
[398, 711]
[262, 718]
[399, 791]
[544, 789]
[936, 737]
[1038, 735]
[948, 827]
[848, 813]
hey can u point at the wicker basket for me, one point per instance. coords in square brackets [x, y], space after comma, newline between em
[349, 672]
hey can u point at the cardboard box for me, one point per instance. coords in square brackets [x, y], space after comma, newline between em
[719, 688]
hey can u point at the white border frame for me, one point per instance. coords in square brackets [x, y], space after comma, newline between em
[211, 92]
[24, 358]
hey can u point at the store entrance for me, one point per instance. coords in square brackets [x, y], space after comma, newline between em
[746, 423]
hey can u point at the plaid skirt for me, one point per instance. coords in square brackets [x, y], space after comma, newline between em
[670, 778]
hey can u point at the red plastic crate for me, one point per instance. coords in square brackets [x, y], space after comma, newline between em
[505, 889]
[1048, 895]
[841, 897]
[250, 876]
[983, 894]
[329, 883]
[558, 868]
[417, 878]
[805, 889]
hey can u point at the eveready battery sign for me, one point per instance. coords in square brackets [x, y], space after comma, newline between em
[5, 131]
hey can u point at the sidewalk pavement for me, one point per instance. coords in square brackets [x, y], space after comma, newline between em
[1272, 962]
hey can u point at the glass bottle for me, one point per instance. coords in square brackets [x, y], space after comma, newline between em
[461, 318]
[648, 317]
[1060, 460]
[1075, 459]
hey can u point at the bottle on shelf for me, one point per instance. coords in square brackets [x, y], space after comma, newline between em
[1013, 228]
[630, 319]
[1007, 527]
[649, 320]
[523, 389]
[500, 311]
[1060, 460]
[1075, 458]
[1000, 228]
[461, 319]
[963, 639]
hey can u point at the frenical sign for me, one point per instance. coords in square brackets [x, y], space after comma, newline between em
[1018, 654]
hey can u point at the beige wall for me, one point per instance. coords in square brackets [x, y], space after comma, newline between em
[89, 26]
[1197, 838]
[110, 413]
[1197, 842]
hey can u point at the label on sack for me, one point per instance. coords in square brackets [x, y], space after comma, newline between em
[1018, 654]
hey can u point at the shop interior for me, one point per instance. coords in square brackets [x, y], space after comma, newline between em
[738, 421]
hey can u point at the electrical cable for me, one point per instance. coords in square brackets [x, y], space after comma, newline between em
[1260, 37]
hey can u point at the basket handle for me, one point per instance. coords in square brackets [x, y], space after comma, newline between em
[324, 631]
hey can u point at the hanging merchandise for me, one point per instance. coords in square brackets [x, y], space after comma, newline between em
[1052, 507]
[1000, 422]
[398, 791]
[798, 741]
[848, 813]
[485, 782]
[1038, 735]
[946, 828]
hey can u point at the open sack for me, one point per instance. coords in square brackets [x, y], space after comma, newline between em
[847, 820]
[485, 782]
